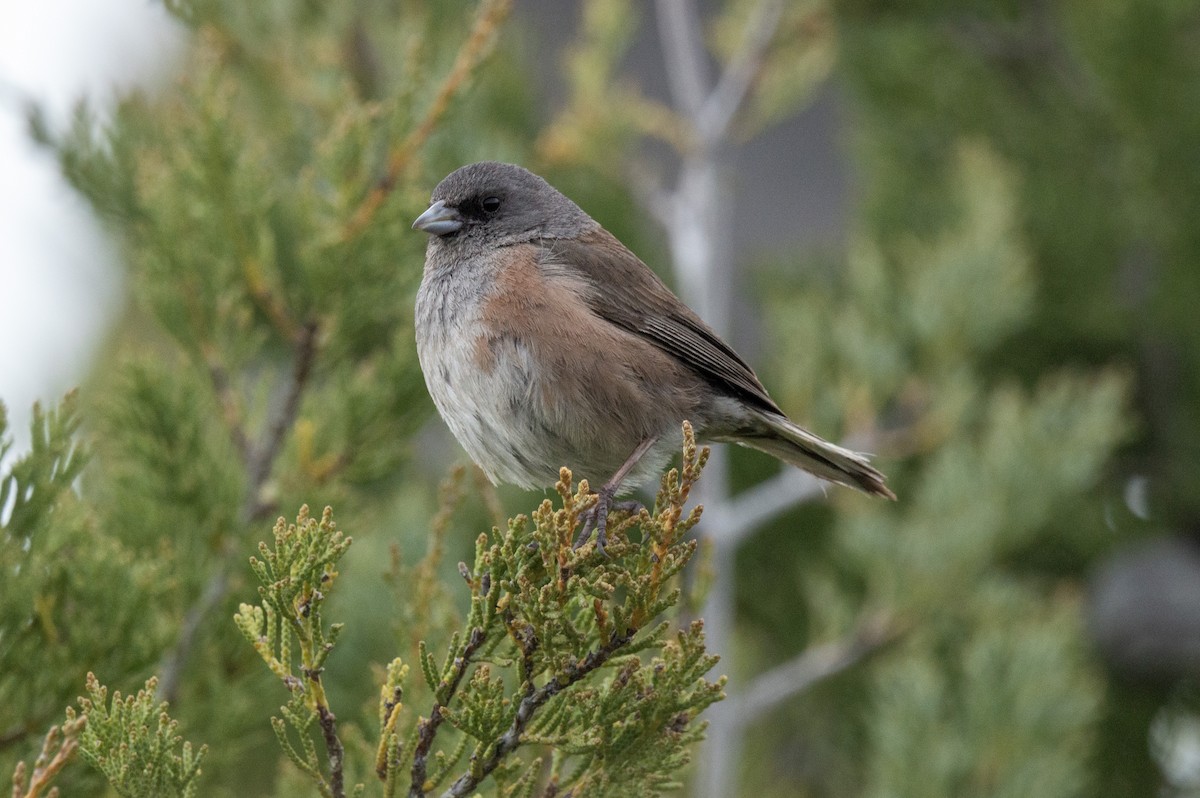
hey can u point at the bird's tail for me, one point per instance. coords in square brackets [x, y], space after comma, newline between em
[793, 444]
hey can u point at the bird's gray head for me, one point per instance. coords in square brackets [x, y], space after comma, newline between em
[492, 204]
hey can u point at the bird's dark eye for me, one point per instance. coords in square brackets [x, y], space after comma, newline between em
[491, 204]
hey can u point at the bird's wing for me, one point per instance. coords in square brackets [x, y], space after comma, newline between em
[624, 291]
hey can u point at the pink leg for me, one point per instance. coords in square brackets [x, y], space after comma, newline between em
[597, 517]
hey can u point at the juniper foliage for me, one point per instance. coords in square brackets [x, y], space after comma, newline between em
[132, 741]
[563, 651]
[925, 341]
[262, 202]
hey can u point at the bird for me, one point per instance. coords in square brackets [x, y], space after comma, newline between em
[545, 342]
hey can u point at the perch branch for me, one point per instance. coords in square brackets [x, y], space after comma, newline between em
[530, 703]
[429, 726]
[337, 753]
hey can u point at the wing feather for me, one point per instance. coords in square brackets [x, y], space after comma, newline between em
[621, 289]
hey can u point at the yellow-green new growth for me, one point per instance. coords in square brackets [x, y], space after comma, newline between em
[132, 741]
[296, 577]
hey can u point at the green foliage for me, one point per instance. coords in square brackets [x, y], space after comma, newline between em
[132, 741]
[1072, 98]
[165, 452]
[554, 654]
[295, 577]
[288, 148]
[564, 651]
[30, 489]
[1008, 710]
[1021, 226]
[924, 309]
[68, 585]
[995, 471]
[262, 199]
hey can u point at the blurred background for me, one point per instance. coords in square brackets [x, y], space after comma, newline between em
[961, 236]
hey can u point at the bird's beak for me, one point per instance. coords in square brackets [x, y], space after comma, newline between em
[439, 220]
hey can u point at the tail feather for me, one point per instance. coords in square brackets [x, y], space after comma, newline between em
[793, 444]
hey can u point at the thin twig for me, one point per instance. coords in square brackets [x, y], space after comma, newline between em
[530, 703]
[714, 118]
[259, 463]
[58, 748]
[475, 49]
[812, 665]
[259, 290]
[222, 386]
[173, 663]
[337, 753]
[428, 727]
[263, 458]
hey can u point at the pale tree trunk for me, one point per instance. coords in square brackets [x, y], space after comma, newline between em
[697, 220]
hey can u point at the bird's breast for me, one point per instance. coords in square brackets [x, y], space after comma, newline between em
[529, 378]
[481, 383]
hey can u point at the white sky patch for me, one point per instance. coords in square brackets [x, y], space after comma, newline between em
[59, 285]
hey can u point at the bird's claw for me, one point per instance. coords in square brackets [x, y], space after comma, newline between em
[595, 518]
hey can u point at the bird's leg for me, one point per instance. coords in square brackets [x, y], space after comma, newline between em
[596, 518]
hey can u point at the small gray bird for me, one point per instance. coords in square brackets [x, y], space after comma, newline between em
[545, 342]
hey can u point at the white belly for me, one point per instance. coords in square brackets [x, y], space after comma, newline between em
[489, 410]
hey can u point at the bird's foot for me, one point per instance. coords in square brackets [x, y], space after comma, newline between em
[595, 518]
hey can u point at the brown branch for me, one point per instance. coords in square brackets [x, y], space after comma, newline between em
[530, 703]
[268, 302]
[428, 727]
[58, 748]
[474, 50]
[337, 753]
[259, 462]
[222, 387]
[263, 459]
[172, 665]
